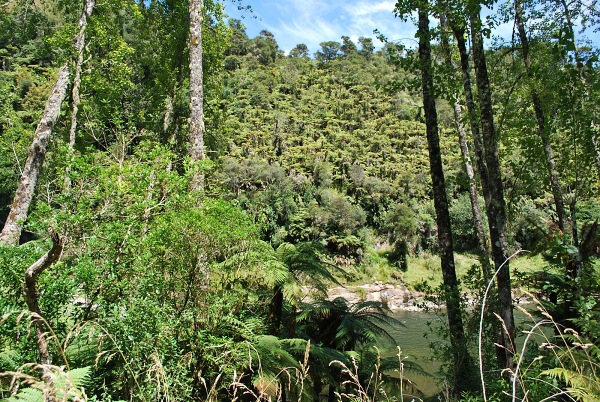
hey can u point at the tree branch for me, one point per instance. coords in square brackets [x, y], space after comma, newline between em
[31, 296]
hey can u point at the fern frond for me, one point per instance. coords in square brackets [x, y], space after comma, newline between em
[580, 386]
[9, 360]
[27, 395]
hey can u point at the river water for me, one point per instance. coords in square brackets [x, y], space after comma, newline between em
[416, 336]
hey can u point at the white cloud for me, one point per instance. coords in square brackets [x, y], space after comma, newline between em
[315, 21]
[310, 31]
[369, 8]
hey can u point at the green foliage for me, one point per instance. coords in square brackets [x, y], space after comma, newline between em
[463, 228]
[66, 385]
[161, 294]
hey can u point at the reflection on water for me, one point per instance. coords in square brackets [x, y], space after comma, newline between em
[414, 339]
[416, 336]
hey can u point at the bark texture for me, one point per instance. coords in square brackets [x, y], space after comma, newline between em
[79, 44]
[484, 254]
[35, 159]
[496, 210]
[37, 152]
[555, 182]
[459, 34]
[196, 91]
[461, 361]
[31, 296]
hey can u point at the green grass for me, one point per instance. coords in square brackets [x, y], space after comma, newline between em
[427, 268]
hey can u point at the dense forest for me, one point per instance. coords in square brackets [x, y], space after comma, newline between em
[177, 198]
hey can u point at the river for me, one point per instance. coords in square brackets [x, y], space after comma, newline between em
[415, 337]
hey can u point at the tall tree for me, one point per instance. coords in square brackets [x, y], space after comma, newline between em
[196, 91]
[466, 156]
[37, 152]
[461, 361]
[496, 208]
[542, 131]
[458, 26]
[459, 30]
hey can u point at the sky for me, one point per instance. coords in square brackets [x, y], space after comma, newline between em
[314, 21]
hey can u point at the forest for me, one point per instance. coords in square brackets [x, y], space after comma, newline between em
[177, 200]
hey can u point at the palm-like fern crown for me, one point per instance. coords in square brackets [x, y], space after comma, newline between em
[340, 325]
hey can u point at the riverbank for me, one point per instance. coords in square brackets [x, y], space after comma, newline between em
[398, 297]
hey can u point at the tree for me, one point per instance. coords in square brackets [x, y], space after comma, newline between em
[239, 39]
[37, 152]
[196, 92]
[461, 360]
[304, 265]
[299, 51]
[264, 47]
[466, 156]
[330, 50]
[496, 208]
[341, 326]
[542, 130]
[348, 48]
[367, 47]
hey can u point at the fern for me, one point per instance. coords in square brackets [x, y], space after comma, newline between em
[27, 395]
[583, 387]
[9, 360]
[67, 386]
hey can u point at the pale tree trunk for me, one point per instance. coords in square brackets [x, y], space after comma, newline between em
[496, 210]
[484, 255]
[79, 44]
[37, 152]
[31, 296]
[461, 361]
[555, 182]
[596, 143]
[196, 92]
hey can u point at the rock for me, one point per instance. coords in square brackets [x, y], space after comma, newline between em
[398, 297]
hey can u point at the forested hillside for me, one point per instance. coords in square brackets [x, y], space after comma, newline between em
[176, 199]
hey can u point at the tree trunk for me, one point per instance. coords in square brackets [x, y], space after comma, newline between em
[79, 44]
[196, 92]
[582, 80]
[452, 295]
[37, 153]
[459, 34]
[31, 296]
[484, 254]
[555, 182]
[276, 310]
[496, 210]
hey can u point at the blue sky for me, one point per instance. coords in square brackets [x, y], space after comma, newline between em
[314, 21]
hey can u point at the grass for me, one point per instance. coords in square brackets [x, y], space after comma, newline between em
[427, 268]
